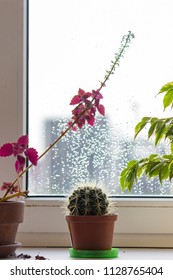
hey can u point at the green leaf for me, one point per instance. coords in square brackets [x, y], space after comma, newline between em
[166, 87]
[168, 99]
[151, 129]
[164, 172]
[140, 170]
[169, 130]
[168, 120]
[154, 120]
[154, 169]
[123, 178]
[132, 163]
[128, 175]
[139, 127]
[160, 130]
[154, 157]
[124, 183]
[168, 157]
[145, 119]
[130, 180]
[171, 147]
[170, 170]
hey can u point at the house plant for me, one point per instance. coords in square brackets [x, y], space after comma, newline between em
[86, 106]
[91, 221]
[91, 218]
[155, 165]
[12, 212]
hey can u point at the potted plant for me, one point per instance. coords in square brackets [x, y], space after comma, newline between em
[91, 218]
[155, 165]
[86, 106]
[12, 211]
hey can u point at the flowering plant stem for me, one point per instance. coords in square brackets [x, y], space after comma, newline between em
[87, 109]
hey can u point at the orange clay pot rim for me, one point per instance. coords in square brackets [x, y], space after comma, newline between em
[92, 217]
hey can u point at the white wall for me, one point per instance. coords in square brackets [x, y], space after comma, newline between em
[11, 77]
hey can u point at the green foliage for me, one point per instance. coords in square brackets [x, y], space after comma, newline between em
[158, 128]
[88, 200]
[154, 165]
[168, 98]
[141, 125]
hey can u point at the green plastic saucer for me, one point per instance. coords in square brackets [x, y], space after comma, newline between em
[112, 253]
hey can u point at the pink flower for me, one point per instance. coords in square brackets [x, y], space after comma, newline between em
[91, 120]
[21, 145]
[101, 109]
[6, 150]
[87, 105]
[17, 149]
[74, 128]
[32, 155]
[20, 163]
[97, 95]
[82, 96]
[7, 185]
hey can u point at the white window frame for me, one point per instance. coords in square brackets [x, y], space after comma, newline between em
[141, 223]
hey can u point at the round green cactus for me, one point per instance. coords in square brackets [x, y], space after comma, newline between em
[88, 200]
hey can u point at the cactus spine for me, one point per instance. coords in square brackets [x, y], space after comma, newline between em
[88, 200]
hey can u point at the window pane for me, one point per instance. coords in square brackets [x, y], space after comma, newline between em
[71, 45]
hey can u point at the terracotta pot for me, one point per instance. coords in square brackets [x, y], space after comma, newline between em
[11, 214]
[91, 232]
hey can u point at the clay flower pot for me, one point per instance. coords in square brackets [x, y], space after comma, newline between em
[91, 232]
[11, 214]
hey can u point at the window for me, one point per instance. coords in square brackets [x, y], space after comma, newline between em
[142, 221]
[71, 44]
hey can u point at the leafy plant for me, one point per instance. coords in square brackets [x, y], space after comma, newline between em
[21, 152]
[86, 106]
[155, 165]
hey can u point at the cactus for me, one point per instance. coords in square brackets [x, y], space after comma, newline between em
[88, 200]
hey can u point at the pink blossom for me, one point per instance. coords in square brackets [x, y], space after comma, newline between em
[97, 95]
[6, 150]
[87, 105]
[21, 145]
[23, 141]
[75, 100]
[82, 96]
[101, 109]
[7, 185]
[91, 120]
[20, 163]
[32, 155]
[17, 149]
[74, 128]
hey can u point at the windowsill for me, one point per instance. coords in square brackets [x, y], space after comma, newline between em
[120, 201]
[142, 223]
[124, 253]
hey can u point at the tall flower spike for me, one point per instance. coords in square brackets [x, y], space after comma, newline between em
[87, 105]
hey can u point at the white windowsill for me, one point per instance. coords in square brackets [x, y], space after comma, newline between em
[124, 253]
[120, 201]
[142, 223]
